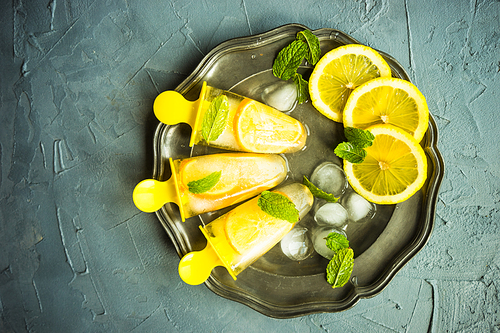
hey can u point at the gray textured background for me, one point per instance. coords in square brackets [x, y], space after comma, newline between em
[78, 78]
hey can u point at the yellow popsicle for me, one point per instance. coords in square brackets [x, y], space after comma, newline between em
[227, 120]
[207, 183]
[241, 236]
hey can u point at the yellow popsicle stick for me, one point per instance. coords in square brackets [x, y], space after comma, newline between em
[222, 262]
[195, 267]
[150, 194]
[172, 108]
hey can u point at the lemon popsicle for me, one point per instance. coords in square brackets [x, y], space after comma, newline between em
[207, 183]
[226, 120]
[241, 236]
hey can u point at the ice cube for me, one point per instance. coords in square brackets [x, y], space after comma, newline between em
[330, 178]
[319, 240]
[331, 214]
[281, 95]
[358, 208]
[297, 245]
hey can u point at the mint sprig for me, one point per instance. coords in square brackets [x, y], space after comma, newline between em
[204, 184]
[285, 66]
[353, 150]
[279, 206]
[215, 118]
[339, 269]
[317, 192]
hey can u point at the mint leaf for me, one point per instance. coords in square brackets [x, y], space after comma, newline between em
[359, 137]
[289, 59]
[305, 45]
[279, 206]
[215, 118]
[350, 152]
[302, 88]
[336, 241]
[317, 192]
[313, 51]
[204, 184]
[339, 269]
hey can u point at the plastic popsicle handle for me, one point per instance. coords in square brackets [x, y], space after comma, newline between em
[172, 108]
[195, 267]
[150, 194]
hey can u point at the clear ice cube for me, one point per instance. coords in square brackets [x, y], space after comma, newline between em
[330, 178]
[281, 95]
[319, 240]
[297, 245]
[358, 208]
[331, 214]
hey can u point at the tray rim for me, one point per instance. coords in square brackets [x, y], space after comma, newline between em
[357, 293]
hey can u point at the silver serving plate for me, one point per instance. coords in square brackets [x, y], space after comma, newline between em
[275, 285]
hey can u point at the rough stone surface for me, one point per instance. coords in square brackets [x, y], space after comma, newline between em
[78, 78]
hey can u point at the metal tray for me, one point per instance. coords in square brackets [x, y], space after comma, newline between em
[275, 285]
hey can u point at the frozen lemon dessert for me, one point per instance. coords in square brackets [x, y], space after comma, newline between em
[241, 236]
[226, 120]
[207, 183]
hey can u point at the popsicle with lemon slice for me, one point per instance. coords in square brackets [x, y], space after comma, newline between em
[238, 238]
[226, 120]
[207, 183]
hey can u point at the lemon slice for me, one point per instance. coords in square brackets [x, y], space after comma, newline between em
[252, 230]
[260, 128]
[339, 72]
[388, 101]
[195, 169]
[394, 169]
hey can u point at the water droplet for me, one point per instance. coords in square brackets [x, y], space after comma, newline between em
[334, 35]
[354, 281]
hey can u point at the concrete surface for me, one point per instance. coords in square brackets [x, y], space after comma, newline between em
[78, 78]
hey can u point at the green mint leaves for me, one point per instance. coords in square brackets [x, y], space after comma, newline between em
[302, 88]
[340, 267]
[317, 192]
[204, 184]
[289, 59]
[358, 137]
[314, 51]
[286, 64]
[336, 241]
[278, 206]
[215, 118]
[353, 150]
[350, 152]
